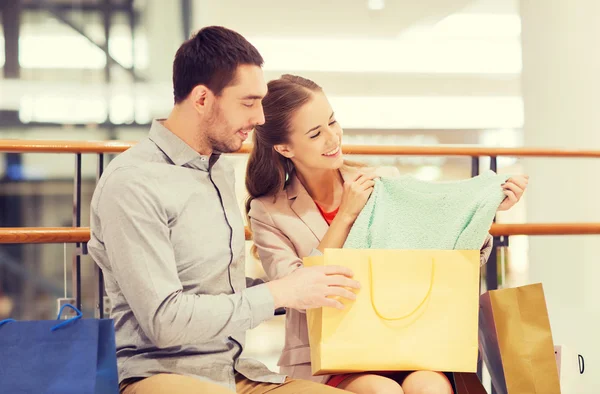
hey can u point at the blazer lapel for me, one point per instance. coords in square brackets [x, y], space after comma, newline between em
[306, 209]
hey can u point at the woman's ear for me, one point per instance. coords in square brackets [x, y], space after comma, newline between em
[284, 150]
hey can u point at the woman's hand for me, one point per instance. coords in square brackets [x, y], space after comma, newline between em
[514, 189]
[356, 193]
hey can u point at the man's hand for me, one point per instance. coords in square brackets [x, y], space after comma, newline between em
[313, 287]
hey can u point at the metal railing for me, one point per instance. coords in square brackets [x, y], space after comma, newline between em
[80, 235]
[51, 235]
[51, 146]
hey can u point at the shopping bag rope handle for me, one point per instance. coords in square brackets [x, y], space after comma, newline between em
[60, 325]
[3, 322]
[374, 304]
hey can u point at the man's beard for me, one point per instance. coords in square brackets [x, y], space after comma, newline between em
[222, 146]
[217, 133]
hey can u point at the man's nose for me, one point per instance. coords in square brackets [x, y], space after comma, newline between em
[259, 116]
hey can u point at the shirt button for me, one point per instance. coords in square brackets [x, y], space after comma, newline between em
[203, 158]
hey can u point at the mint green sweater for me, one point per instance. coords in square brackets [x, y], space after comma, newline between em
[406, 213]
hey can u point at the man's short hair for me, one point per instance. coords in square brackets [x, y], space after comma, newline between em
[211, 58]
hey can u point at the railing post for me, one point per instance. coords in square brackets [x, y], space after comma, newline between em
[491, 272]
[474, 166]
[97, 271]
[76, 268]
[494, 163]
[474, 173]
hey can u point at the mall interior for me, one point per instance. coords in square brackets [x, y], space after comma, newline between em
[440, 89]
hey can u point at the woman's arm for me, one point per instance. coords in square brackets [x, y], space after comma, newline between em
[356, 193]
[338, 231]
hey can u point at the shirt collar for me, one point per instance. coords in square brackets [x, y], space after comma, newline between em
[179, 152]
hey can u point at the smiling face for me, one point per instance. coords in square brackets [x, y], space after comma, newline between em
[236, 111]
[315, 136]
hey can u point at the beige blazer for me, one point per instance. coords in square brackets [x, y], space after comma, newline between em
[286, 229]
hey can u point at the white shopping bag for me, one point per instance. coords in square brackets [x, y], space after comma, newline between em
[570, 368]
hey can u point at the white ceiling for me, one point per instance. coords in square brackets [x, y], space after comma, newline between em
[335, 18]
[456, 74]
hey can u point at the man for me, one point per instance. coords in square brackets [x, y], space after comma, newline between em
[169, 237]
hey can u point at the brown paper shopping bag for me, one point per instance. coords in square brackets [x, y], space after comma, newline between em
[416, 310]
[517, 341]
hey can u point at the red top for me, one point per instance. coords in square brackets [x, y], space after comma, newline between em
[328, 216]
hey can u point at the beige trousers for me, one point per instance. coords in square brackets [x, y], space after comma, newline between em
[179, 384]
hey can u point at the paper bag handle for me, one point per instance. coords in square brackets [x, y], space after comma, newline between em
[374, 304]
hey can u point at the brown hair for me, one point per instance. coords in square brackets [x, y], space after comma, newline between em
[211, 58]
[268, 171]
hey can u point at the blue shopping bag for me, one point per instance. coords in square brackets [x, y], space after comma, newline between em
[58, 357]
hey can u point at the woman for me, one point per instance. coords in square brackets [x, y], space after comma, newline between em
[304, 198]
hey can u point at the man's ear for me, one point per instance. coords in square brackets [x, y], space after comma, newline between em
[284, 150]
[200, 97]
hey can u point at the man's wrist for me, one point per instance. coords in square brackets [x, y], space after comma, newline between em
[274, 287]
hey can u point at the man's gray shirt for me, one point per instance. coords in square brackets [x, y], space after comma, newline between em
[167, 231]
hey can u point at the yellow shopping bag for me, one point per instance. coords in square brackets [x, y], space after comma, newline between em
[416, 310]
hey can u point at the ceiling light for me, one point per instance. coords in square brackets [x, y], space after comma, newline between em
[376, 5]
